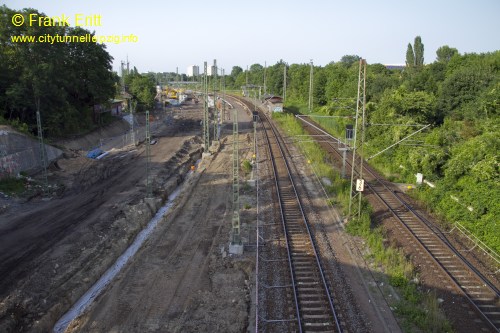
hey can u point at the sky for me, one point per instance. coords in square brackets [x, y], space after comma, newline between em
[176, 34]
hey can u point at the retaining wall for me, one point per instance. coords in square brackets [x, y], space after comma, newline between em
[19, 152]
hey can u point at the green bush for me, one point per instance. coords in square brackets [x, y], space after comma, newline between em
[246, 166]
[16, 124]
[12, 186]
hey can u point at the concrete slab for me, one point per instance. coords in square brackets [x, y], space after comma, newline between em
[214, 147]
[236, 249]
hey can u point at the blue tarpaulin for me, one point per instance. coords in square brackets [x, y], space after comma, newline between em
[95, 153]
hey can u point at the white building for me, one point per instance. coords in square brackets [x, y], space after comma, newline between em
[193, 70]
[211, 70]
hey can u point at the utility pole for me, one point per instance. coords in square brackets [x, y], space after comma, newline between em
[206, 128]
[43, 153]
[223, 95]
[235, 233]
[311, 87]
[214, 87]
[123, 76]
[149, 192]
[254, 155]
[132, 109]
[265, 72]
[284, 83]
[357, 181]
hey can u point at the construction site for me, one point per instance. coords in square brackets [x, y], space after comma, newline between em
[63, 240]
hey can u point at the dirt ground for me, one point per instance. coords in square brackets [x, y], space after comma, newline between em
[54, 248]
[182, 279]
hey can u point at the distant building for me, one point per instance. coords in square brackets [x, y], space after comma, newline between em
[274, 103]
[397, 67]
[193, 70]
[211, 70]
[114, 106]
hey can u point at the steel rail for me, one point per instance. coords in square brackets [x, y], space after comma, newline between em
[306, 224]
[290, 202]
[287, 242]
[436, 260]
[447, 242]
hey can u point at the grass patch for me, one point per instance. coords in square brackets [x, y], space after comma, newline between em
[296, 107]
[421, 311]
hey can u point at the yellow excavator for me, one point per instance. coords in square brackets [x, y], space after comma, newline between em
[170, 93]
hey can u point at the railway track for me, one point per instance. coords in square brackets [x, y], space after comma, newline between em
[483, 295]
[313, 308]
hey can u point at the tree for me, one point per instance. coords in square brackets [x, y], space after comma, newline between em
[319, 86]
[142, 88]
[380, 79]
[240, 80]
[415, 54]
[463, 86]
[256, 74]
[274, 78]
[418, 106]
[298, 85]
[418, 49]
[410, 56]
[256, 68]
[348, 60]
[445, 53]
[236, 71]
[68, 78]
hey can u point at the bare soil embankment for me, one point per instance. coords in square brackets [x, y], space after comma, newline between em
[53, 249]
[182, 280]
